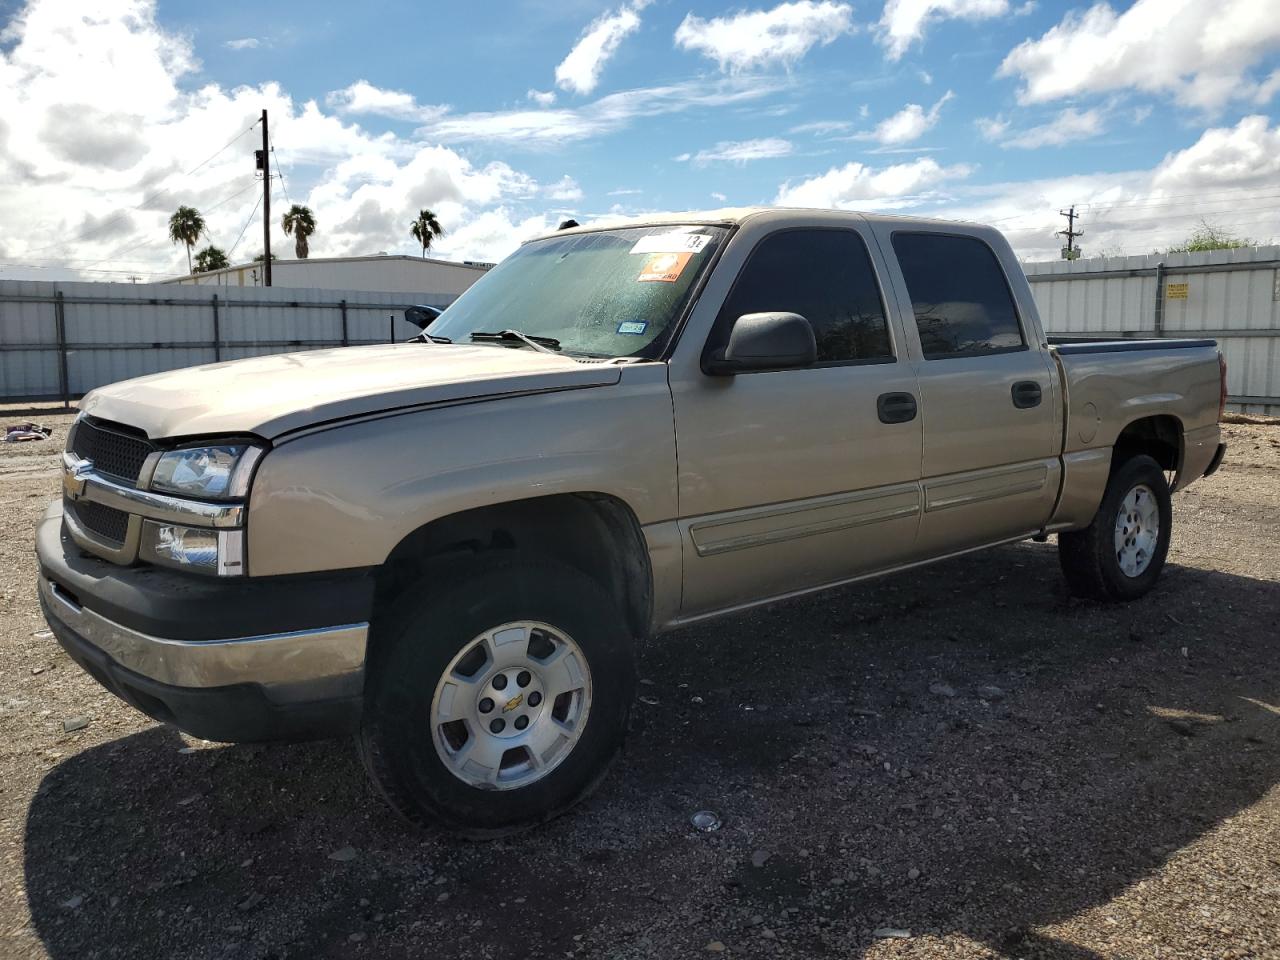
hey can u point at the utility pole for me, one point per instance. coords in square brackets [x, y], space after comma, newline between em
[1069, 252]
[264, 164]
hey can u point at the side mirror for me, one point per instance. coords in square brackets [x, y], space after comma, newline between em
[421, 316]
[764, 341]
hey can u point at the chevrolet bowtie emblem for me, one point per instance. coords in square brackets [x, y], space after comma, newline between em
[74, 475]
[513, 703]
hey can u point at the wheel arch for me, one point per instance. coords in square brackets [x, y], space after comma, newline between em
[1159, 437]
[596, 533]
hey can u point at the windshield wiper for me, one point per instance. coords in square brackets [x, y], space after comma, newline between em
[425, 337]
[541, 344]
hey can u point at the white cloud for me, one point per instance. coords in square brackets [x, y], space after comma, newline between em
[1267, 88]
[718, 197]
[741, 151]
[624, 192]
[904, 22]
[822, 128]
[362, 97]
[92, 170]
[543, 98]
[1226, 171]
[909, 123]
[547, 128]
[244, 43]
[992, 128]
[858, 185]
[1196, 51]
[565, 189]
[580, 70]
[758, 38]
[1067, 127]
[1242, 157]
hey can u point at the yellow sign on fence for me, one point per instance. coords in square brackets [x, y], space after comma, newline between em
[1175, 291]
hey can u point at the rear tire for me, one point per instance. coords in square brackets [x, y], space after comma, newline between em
[1119, 556]
[444, 746]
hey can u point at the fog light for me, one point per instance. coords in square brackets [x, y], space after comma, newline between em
[198, 549]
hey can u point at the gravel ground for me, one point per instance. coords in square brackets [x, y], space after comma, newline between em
[957, 762]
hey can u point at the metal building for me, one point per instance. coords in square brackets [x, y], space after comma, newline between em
[390, 274]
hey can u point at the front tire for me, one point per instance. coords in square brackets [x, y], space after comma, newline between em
[496, 700]
[1120, 555]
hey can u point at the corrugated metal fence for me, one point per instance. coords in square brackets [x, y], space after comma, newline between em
[60, 340]
[1230, 295]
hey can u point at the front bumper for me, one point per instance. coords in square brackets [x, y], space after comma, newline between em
[241, 660]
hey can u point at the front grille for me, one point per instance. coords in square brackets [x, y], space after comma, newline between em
[113, 451]
[106, 522]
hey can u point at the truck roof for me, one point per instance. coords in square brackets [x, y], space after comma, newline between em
[738, 215]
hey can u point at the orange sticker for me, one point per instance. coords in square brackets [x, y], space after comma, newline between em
[664, 267]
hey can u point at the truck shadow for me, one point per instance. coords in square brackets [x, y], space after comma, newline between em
[852, 743]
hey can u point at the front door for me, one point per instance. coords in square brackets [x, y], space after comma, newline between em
[794, 479]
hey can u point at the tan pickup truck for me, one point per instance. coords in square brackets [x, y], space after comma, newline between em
[449, 547]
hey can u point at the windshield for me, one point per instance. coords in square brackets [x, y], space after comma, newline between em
[610, 293]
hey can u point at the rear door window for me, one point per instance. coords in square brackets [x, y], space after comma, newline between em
[961, 300]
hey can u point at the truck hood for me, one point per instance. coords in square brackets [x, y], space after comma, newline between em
[274, 395]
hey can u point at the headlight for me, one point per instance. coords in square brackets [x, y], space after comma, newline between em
[198, 549]
[215, 472]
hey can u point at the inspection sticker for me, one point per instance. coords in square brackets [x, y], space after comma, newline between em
[633, 326]
[664, 267]
[671, 243]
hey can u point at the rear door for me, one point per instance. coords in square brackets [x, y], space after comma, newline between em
[990, 468]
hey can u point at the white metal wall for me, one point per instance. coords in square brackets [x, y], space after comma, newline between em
[387, 273]
[1232, 296]
[113, 331]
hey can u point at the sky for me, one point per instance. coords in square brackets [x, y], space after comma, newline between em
[506, 117]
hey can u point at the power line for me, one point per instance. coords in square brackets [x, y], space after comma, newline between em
[119, 254]
[244, 228]
[1168, 200]
[276, 160]
[147, 199]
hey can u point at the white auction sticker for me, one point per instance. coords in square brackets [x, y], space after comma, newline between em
[671, 243]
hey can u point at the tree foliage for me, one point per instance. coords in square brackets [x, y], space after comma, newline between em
[211, 258]
[1207, 236]
[300, 222]
[425, 229]
[185, 226]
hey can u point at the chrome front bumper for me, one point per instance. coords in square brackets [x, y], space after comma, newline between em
[332, 657]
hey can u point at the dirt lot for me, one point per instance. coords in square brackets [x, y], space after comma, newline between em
[1115, 797]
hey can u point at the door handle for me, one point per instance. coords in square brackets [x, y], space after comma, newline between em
[896, 407]
[1026, 394]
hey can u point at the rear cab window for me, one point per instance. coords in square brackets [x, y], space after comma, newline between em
[826, 276]
[961, 300]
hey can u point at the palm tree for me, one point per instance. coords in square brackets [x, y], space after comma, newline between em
[211, 258]
[185, 226]
[425, 229]
[301, 222]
